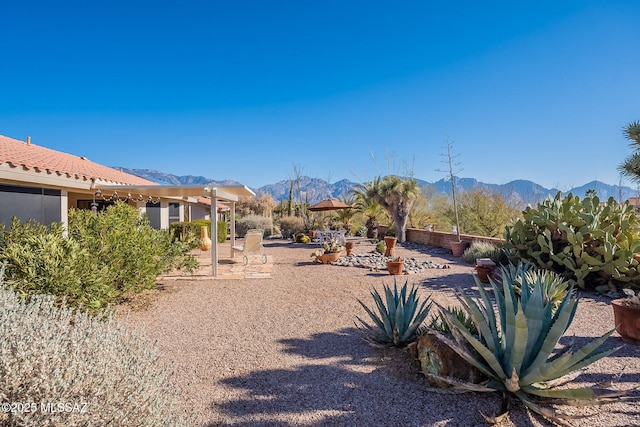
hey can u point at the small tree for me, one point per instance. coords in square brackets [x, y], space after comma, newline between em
[396, 196]
[452, 178]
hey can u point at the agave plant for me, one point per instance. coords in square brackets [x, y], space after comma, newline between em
[400, 315]
[554, 286]
[516, 349]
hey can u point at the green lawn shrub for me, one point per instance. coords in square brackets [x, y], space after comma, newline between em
[109, 374]
[103, 256]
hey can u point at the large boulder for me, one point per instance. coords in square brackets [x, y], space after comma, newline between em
[437, 358]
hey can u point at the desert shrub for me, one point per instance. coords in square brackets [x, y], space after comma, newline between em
[590, 243]
[250, 222]
[380, 247]
[291, 225]
[52, 354]
[302, 238]
[104, 256]
[481, 250]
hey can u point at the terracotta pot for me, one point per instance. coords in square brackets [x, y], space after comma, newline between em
[327, 258]
[390, 245]
[627, 320]
[457, 248]
[205, 241]
[349, 247]
[484, 273]
[395, 267]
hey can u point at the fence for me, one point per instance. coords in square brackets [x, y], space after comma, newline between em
[439, 239]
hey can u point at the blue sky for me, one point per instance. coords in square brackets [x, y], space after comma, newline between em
[244, 90]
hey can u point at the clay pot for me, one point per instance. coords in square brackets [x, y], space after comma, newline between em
[349, 247]
[390, 245]
[627, 320]
[458, 248]
[484, 273]
[205, 241]
[327, 258]
[395, 267]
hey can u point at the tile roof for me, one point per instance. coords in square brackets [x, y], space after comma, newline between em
[207, 202]
[30, 156]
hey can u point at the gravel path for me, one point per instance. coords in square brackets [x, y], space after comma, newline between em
[285, 351]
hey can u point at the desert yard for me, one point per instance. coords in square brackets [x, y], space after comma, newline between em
[285, 351]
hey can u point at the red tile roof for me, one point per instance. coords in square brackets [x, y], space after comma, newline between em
[207, 202]
[30, 156]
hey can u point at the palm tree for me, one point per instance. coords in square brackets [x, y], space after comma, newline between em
[630, 168]
[396, 196]
[369, 208]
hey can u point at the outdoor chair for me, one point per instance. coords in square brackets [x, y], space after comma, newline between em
[252, 246]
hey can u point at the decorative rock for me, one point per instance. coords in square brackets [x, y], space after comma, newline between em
[376, 262]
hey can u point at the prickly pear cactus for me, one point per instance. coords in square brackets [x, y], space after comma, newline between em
[590, 243]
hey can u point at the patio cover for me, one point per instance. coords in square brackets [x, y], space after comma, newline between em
[215, 192]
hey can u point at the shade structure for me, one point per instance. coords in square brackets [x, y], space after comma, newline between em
[329, 205]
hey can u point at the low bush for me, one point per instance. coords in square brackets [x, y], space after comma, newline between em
[104, 256]
[481, 250]
[107, 373]
[291, 225]
[250, 222]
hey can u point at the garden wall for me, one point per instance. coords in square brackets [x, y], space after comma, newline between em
[439, 239]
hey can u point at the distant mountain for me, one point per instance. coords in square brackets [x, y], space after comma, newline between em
[315, 189]
[169, 179]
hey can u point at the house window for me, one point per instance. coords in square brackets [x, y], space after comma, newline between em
[174, 212]
[153, 213]
[40, 204]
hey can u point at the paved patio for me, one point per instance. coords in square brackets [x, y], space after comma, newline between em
[228, 267]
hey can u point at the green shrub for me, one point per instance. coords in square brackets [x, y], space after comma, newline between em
[53, 354]
[380, 247]
[104, 256]
[223, 230]
[291, 225]
[481, 250]
[589, 243]
[302, 238]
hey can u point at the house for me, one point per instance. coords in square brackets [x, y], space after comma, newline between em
[43, 184]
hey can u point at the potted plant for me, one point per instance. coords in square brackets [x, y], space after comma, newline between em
[458, 246]
[330, 252]
[395, 266]
[349, 247]
[626, 313]
[390, 245]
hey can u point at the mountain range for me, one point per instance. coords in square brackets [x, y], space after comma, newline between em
[315, 189]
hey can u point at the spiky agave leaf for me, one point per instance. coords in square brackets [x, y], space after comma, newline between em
[398, 316]
[525, 334]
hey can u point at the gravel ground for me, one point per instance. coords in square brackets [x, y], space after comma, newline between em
[285, 352]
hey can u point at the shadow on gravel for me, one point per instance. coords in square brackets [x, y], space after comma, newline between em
[328, 345]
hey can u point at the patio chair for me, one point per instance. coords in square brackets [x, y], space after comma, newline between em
[252, 246]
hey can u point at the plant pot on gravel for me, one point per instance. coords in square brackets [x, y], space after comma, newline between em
[349, 247]
[395, 267]
[390, 246]
[627, 320]
[458, 247]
